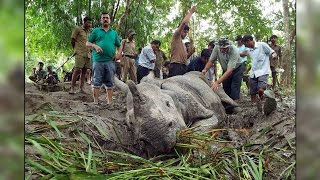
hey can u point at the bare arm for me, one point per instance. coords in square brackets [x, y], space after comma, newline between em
[222, 78]
[186, 19]
[96, 47]
[119, 52]
[215, 71]
[207, 67]
[73, 42]
[244, 53]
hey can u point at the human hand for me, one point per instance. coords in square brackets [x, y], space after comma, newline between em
[98, 49]
[214, 85]
[192, 50]
[204, 72]
[117, 56]
[193, 9]
[274, 55]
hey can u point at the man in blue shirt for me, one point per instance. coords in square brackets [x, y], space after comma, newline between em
[260, 67]
[146, 59]
[199, 62]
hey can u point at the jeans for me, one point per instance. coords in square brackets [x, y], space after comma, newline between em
[103, 74]
[232, 84]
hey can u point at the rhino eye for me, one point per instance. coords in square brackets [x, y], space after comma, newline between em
[170, 124]
[167, 103]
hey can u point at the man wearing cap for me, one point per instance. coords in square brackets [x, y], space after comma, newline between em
[199, 62]
[129, 54]
[178, 53]
[82, 54]
[244, 52]
[260, 67]
[275, 62]
[232, 67]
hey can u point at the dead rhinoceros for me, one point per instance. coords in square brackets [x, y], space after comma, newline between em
[157, 109]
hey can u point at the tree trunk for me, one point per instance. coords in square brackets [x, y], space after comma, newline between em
[89, 8]
[286, 55]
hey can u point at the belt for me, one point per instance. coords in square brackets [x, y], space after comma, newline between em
[130, 56]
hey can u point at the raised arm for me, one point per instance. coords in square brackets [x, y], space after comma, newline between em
[186, 19]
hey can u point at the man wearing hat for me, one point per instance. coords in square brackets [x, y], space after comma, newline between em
[129, 54]
[232, 66]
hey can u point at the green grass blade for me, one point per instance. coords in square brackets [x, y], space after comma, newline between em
[40, 166]
[89, 159]
[54, 126]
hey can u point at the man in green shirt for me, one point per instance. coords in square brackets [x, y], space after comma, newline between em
[232, 66]
[104, 41]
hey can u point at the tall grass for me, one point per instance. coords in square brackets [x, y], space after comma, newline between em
[197, 156]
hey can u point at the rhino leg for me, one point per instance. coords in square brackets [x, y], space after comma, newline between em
[205, 125]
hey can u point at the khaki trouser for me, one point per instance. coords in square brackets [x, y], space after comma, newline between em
[129, 67]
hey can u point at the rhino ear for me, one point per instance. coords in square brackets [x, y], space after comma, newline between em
[135, 93]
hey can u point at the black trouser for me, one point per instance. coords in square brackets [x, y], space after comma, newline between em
[232, 84]
[142, 72]
[177, 69]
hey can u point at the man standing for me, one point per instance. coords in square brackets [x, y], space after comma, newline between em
[104, 41]
[260, 67]
[128, 47]
[82, 56]
[147, 58]
[244, 52]
[161, 58]
[178, 54]
[231, 65]
[275, 62]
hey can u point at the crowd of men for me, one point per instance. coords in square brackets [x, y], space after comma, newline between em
[103, 55]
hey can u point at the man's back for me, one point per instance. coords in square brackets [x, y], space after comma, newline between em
[196, 64]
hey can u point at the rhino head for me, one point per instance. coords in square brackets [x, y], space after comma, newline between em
[153, 117]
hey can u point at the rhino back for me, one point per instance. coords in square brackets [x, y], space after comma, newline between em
[202, 93]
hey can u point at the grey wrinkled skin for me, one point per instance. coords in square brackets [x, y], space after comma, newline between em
[158, 109]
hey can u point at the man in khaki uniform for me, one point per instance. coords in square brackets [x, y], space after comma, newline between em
[161, 58]
[79, 38]
[276, 61]
[129, 54]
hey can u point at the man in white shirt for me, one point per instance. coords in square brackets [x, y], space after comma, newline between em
[146, 59]
[260, 67]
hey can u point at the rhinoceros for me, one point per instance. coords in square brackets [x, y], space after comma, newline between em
[158, 109]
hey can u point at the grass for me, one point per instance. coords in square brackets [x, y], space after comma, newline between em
[197, 156]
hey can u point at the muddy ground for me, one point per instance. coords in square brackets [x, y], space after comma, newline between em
[78, 113]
